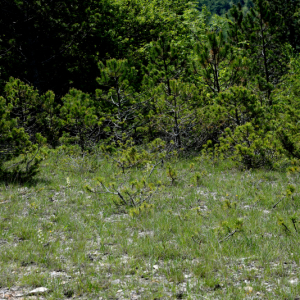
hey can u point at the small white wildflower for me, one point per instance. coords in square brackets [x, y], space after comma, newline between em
[41, 238]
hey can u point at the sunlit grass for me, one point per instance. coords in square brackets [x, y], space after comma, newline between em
[218, 236]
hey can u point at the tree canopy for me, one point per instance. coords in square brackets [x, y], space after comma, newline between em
[110, 72]
[221, 7]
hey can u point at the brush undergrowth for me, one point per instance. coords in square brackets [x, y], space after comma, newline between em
[182, 228]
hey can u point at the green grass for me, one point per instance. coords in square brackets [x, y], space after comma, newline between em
[218, 239]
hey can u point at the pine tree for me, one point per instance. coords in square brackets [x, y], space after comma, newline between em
[287, 15]
[173, 101]
[261, 42]
[25, 103]
[15, 142]
[166, 61]
[34, 112]
[217, 62]
[79, 119]
[117, 103]
[48, 120]
[163, 78]
[176, 119]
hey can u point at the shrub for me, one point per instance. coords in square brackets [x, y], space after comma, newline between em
[16, 147]
[78, 119]
[252, 147]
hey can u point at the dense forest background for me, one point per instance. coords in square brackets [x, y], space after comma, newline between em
[215, 76]
[221, 7]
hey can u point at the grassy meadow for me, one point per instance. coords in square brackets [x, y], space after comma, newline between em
[207, 230]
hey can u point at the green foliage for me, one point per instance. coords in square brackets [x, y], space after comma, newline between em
[218, 63]
[176, 119]
[143, 210]
[229, 228]
[128, 158]
[25, 102]
[117, 106]
[171, 102]
[198, 177]
[240, 106]
[172, 174]
[139, 22]
[34, 112]
[220, 7]
[287, 195]
[232, 108]
[179, 222]
[132, 194]
[55, 44]
[258, 36]
[172, 81]
[128, 155]
[283, 225]
[229, 205]
[290, 190]
[167, 61]
[126, 194]
[285, 18]
[287, 110]
[12, 139]
[48, 119]
[78, 118]
[252, 147]
[16, 148]
[169, 74]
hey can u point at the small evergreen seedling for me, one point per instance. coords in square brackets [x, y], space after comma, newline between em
[172, 174]
[294, 220]
[283, 225]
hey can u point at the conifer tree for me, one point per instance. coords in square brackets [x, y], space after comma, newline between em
[218, 64]
[34, 112]
[117, 104]
[287, 15]
[14, 141]
[25, 103]
[48, 120]
[176, 119]
[172, 108]
[79, 119]
[166, 61]
[165, 72]
[261, 41]
[286, 100]
[240, 106]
